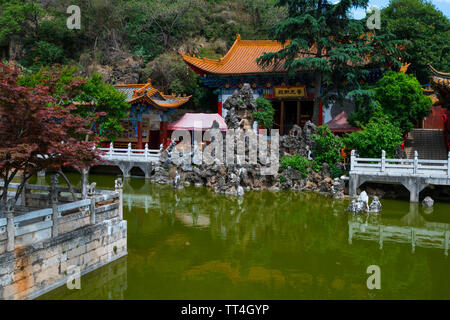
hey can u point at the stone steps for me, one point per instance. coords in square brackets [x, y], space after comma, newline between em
[429, 143]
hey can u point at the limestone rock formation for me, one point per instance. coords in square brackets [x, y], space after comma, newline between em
[375, 206]
[337, 190]
[240, 107]
[359, 205]
[428, 202]
[299, 141]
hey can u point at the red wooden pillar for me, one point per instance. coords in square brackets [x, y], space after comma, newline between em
[219, 111]
[219, 103]
[163, 133]
[139, 132]
[320, 114]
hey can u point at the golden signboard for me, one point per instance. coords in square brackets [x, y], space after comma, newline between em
[291, 92]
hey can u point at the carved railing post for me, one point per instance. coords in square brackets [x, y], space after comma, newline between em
[54, 202]
[416, 162]
[352, 160]
[448, 165]
[111, 149]
[129, 151]
[146, 151]
[383, 161]
[91, 195]
[10, 226]
[119, 188]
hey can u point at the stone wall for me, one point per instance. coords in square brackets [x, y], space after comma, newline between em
[32, 270]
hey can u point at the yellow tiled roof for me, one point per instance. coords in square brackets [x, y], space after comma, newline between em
[240, 59]
[148, 94]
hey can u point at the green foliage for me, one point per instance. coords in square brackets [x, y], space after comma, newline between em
[365, 105]
[45, 53]
[109, 101]
[336, 172]
[60, 84]
[402, 99]
[296, 162]
[327, 146]
[340, 47]
[172, 75]
[265, 114]
[399, 96]
[428, 32]
[379, 134]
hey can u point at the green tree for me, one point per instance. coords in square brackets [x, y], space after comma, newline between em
[108, 101]
[265, 112]
[334, 47]
[103, 99]
[327, 146]
[379, 134]
[171, 75]
[428, 32]
[401, 98]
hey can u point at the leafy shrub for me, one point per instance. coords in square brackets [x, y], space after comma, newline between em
[327, 146]
[379, 134]
[336, 172]
[401, 98]
[265, 114]
[296, 162]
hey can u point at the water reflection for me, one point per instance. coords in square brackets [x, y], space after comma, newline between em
[109, 282]
[194, 244]
[412, 228]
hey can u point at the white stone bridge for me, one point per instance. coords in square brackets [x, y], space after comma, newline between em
[126, 159]
[415, 174]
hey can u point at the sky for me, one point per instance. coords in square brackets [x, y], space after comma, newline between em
[442, 5]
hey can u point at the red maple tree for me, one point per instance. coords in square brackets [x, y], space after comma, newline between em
[37, 133]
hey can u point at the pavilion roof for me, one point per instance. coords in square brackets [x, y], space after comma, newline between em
[339, 124]
[147, 94]
[240, 59]
[440, 82]
[196, 121]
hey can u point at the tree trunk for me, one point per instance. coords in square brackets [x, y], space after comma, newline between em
[317, 97]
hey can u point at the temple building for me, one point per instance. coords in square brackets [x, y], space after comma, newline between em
[148, 117]
[292, 97]
[439, 92]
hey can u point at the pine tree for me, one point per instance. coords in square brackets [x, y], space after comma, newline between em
[322, 38]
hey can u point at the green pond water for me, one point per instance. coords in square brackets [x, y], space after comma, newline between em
[194, 244]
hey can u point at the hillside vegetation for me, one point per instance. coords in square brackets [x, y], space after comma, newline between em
[129, 41]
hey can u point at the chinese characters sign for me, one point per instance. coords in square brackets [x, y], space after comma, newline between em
[291, 92]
